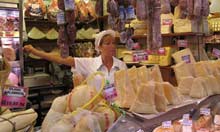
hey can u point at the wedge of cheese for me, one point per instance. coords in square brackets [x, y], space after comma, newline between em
[120, 81]
[35, 33]
[144, 101]
[185, 25]
[143, 74]
[156, 74]
[185, 85]
[198, 89]
[200, 69]
[132, 77]
[181, 70]
[160, 98]
[184, 55]
[171, 93]
[213, 84]
[52, 34]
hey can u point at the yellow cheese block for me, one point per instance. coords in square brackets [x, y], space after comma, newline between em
[165, 60]
[180, 55]
[165, 19]
[185, 25]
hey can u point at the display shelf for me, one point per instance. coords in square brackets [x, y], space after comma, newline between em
[37, 22]
[84, 40]
[130, 120]
[34, 41]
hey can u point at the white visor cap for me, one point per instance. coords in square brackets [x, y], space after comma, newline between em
[100, 35]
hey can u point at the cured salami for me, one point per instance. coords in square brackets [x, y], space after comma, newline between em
[165, 6]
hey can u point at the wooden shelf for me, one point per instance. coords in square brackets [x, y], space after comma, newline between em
[169, 35]
[84, 40]
[38, 22]
[34, 41]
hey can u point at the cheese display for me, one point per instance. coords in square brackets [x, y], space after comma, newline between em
[184, 55]
[143, 74]
[213, 84]
[52, 34]
[198, 89]
[120, 79]
[200, 69]
[181, 70]
[160, 98]
[185, 85]
[35, 33]
[144, 102]
[171, 93]
[156, 74]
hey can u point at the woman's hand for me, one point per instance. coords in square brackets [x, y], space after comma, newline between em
[29, 48]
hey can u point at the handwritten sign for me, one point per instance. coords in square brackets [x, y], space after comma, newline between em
[14, 97]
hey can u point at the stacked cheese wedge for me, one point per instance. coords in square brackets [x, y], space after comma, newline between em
[142, 90]
[198, 79]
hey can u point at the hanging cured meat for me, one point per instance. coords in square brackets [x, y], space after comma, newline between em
[61, 5]
[174, 2]
[112, 8]
[197, 8]
[190, 8]
[165, 6]
[141, 9]
[154, 33]
[183, 8]
[205, 8]
[35, 8]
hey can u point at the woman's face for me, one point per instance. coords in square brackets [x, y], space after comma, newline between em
[108, 46]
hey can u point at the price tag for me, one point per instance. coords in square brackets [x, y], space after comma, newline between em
[167, 22]
[216, 52]
[187, 123]
[217, 119]
[60, 18]
[205, 111]
[182, 43]
[140, 56]
[186, 58]
[14, 97]
[166, 124]
[110, 92]
[69, 5]
[162, 51]
[185, 116]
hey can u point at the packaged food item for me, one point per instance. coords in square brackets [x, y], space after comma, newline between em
[53, 10]
[35, 8]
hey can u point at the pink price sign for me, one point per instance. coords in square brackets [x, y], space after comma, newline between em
[14, 97]
[216, 52]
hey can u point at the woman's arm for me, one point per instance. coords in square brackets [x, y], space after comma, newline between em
[69, 61]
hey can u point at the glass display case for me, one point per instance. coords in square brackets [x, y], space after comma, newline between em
[11, 38]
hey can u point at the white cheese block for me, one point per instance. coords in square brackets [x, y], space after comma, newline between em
[198, 89]
[182, 54]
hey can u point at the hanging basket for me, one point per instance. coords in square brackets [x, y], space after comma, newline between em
[4, 73]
